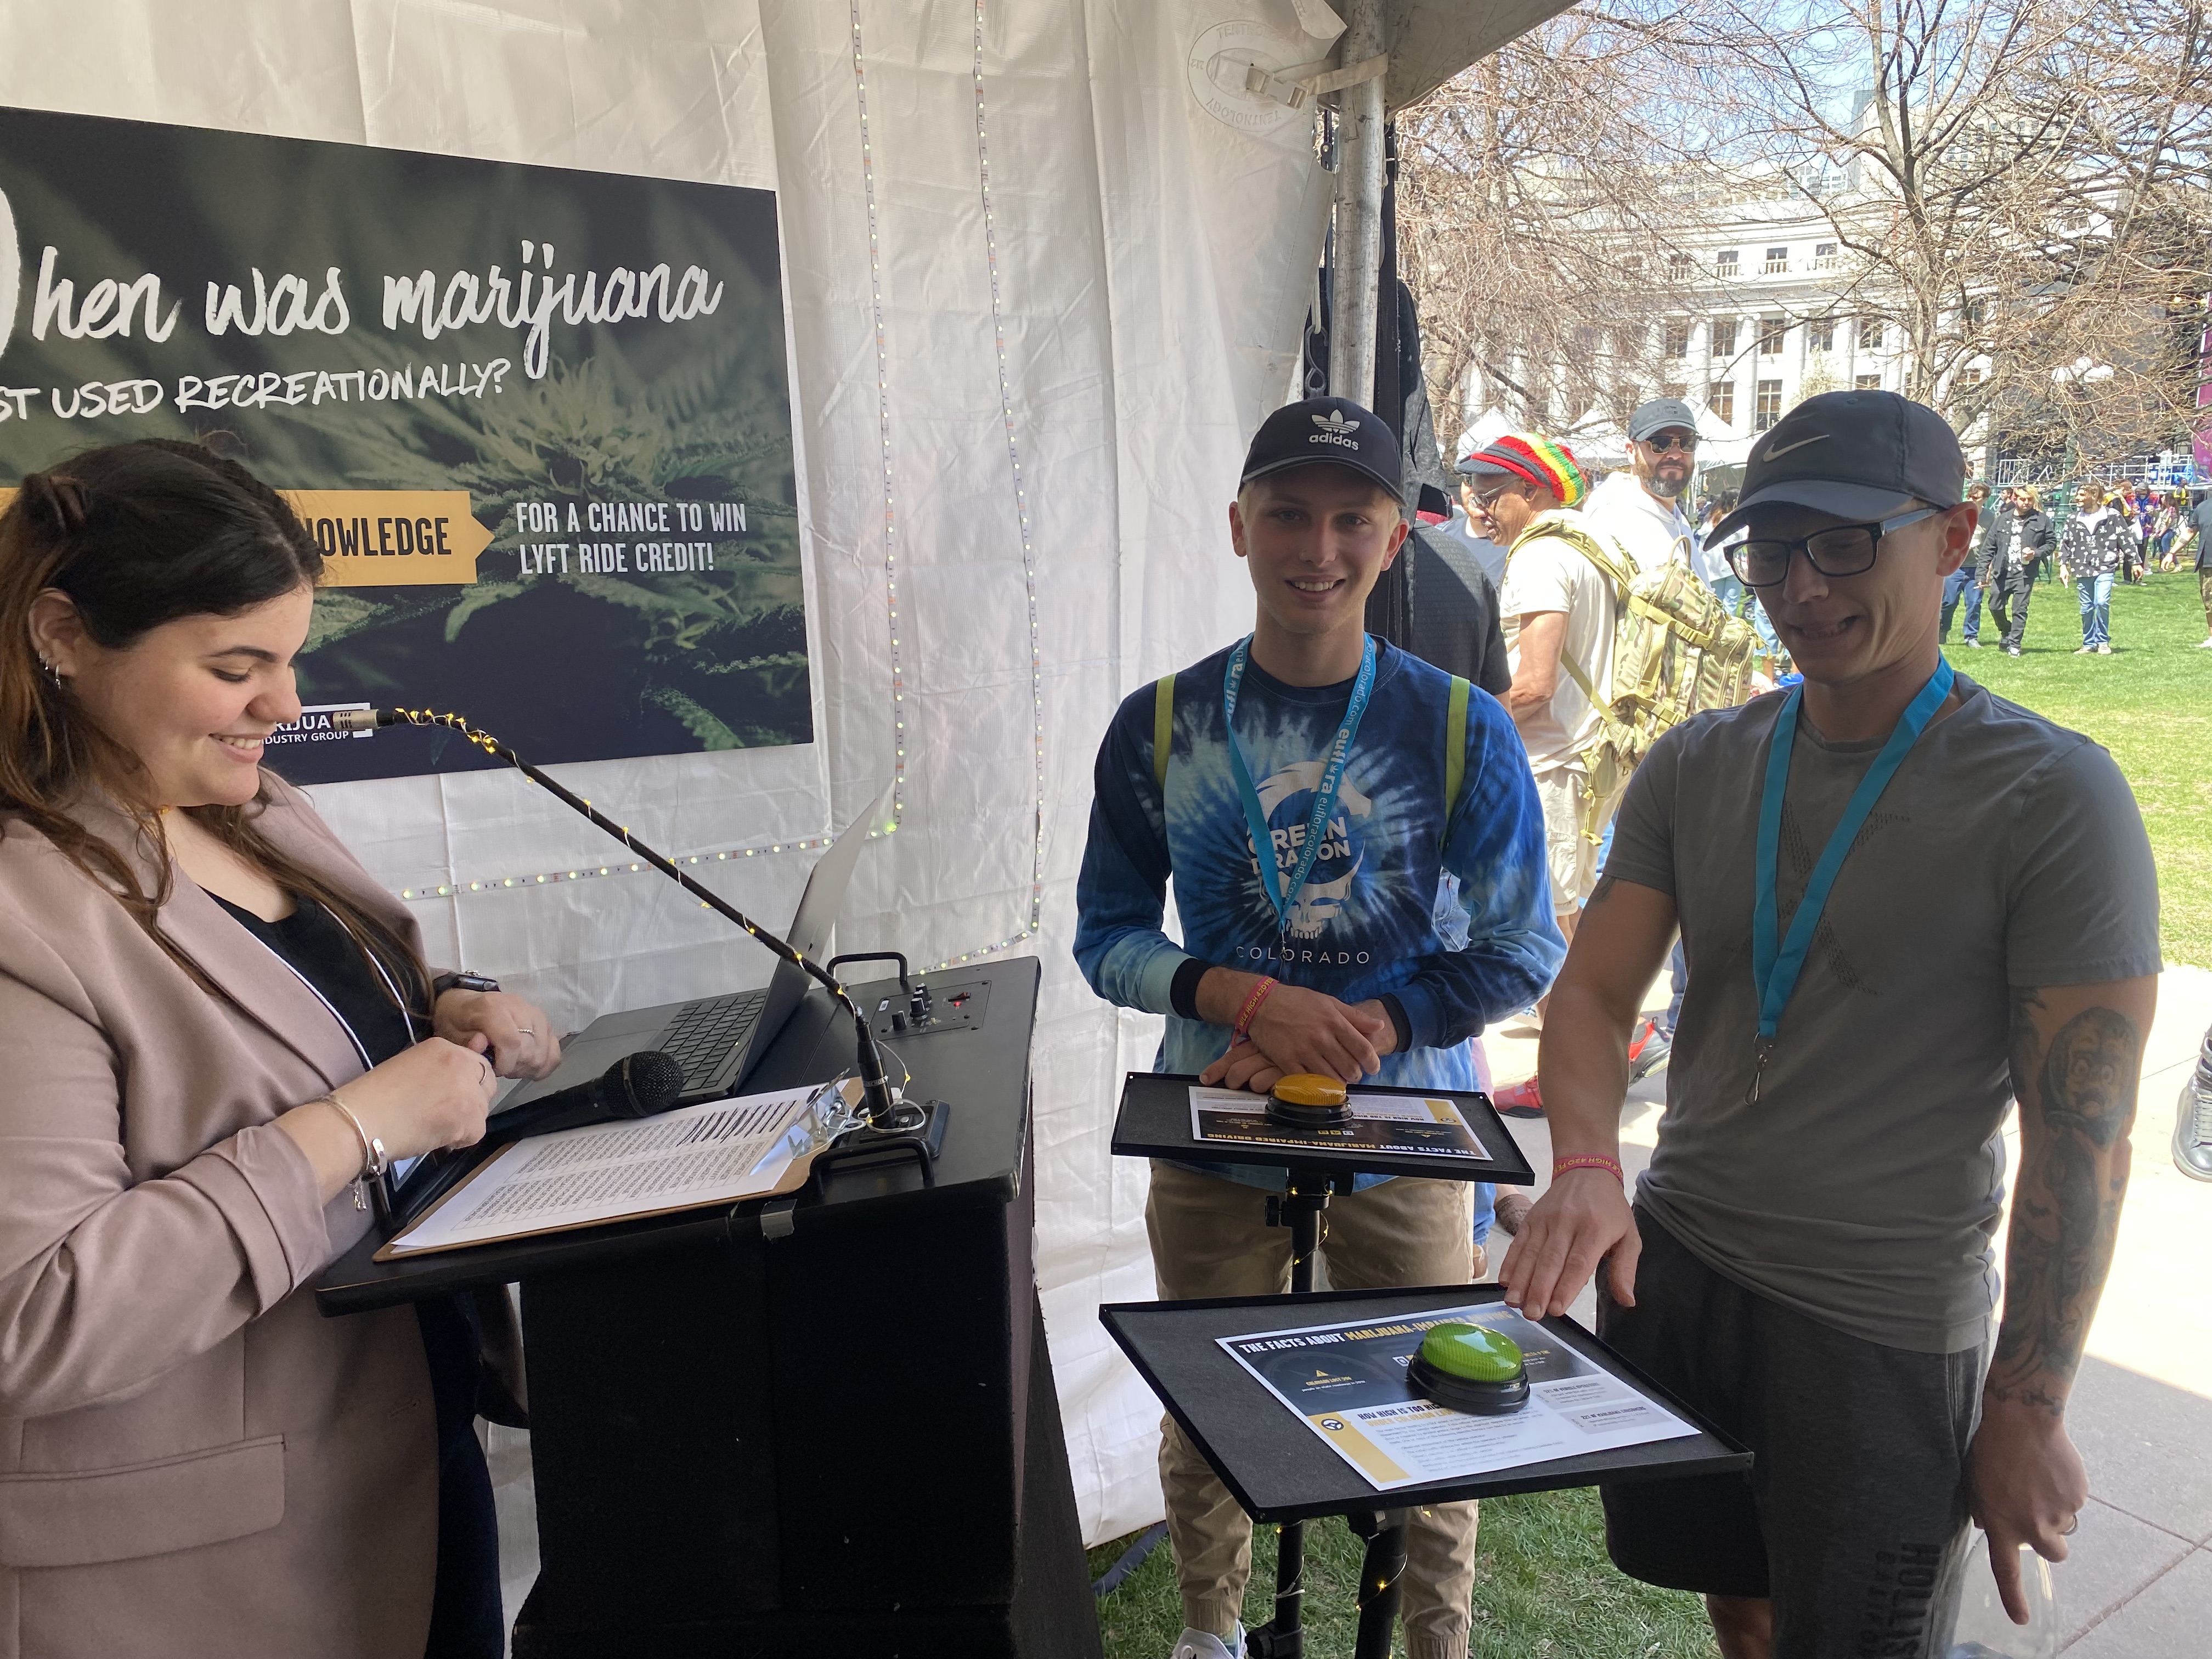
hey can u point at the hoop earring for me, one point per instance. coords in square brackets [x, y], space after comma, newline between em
[52, 673]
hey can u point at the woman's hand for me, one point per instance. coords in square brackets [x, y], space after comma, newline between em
[433, 1095]
[516, 1032]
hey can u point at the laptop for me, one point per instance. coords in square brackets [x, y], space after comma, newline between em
[719, 1040]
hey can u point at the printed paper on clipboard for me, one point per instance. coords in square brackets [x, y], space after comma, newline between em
[1416, 1125]
[1347, 1382]
[715, 1152]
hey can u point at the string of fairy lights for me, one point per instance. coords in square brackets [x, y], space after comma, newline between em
[588, 871]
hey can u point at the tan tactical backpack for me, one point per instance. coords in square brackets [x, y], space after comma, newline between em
[1676, 653]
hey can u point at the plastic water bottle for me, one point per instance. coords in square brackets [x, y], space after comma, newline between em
[1986, 1629]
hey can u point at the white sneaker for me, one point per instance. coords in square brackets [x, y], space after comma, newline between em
[2205, 644]
[1205, 1645]
[2103, 650]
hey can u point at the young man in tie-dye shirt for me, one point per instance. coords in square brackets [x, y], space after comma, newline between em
[1420, 920]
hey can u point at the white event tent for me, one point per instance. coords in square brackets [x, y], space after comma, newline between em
[1046, 262]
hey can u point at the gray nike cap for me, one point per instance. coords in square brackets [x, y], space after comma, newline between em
[1859, 455]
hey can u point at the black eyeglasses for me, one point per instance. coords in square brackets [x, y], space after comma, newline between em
[1845, 550]
[1686, 442]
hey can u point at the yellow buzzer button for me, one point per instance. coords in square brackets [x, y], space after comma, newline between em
[1304, 1088]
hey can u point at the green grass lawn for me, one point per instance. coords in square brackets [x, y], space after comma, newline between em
[2150, 703]
[1542, 1586]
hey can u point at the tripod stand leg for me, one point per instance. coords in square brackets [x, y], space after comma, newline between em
[1379, 1579]
[1282, 1636]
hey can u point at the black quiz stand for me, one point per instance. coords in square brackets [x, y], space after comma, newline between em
[1281, 1472]
[1155, 1121]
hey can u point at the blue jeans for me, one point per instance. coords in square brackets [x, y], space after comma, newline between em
[1735, 598]
[2096, 595]
[1960, 585]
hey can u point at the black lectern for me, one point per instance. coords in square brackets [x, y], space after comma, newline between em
[824, 1423]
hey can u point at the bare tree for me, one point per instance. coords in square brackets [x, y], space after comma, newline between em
[2019, 187]
[1540, 194]
[2021, 191]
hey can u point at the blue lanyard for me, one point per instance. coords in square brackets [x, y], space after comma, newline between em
[1775, 967]
[1324, 801]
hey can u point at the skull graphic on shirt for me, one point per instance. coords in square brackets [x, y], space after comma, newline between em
[1318, 903]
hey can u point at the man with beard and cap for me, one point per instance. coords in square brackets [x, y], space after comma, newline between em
[1642, 508]
[1907, 904]
[1363, 776]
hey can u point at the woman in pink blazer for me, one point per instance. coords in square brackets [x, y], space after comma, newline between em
[213, 1023]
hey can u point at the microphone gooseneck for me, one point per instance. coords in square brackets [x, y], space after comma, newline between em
[876, 1106]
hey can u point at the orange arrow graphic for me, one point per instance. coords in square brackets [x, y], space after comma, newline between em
[385, 537]
[392, 538]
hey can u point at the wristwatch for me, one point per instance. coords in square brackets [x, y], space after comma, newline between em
[463, 981]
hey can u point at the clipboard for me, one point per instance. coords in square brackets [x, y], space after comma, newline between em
[812, 1120]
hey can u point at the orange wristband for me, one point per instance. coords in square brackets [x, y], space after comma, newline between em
[1245, 1015]
[1588, 1161]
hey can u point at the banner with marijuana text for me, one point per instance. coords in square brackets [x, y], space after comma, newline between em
[539, 421]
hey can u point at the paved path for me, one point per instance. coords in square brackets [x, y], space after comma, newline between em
[2139, 1582]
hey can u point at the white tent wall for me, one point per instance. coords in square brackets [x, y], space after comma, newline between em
[1085, 290]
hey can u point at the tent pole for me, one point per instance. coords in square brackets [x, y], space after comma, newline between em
[1359, 205]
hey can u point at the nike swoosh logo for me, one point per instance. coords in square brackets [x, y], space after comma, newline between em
[1800, 444]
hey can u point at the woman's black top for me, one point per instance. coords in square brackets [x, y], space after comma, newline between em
[466, 1618]
[318, 948]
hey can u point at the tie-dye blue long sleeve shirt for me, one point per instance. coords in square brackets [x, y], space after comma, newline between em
[1451, 916]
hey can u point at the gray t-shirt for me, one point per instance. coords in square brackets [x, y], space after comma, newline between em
[1863, 1189]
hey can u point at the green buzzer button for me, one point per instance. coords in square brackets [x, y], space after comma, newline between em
[1467, 1367]
[1472, 1352]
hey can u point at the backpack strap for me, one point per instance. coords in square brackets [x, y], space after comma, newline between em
[1574, 673]
[1455, 745]
[1163, 729]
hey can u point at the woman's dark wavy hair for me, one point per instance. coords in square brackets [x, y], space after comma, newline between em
[138, 535]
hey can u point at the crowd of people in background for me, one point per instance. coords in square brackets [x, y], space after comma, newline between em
[2090, 535]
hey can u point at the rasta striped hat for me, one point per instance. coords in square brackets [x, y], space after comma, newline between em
[1541, 460]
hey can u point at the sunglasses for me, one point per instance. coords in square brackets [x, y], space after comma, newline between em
[1686, 442]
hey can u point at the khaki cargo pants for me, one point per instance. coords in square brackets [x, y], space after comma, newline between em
[1211, 1237]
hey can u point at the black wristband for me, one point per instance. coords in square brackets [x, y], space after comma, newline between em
[1396, 1010]
[1182, 990]
[463, 981]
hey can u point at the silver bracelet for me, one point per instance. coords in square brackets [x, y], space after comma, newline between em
[375, 1160]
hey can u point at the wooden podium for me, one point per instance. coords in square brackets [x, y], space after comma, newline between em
[715, 1476]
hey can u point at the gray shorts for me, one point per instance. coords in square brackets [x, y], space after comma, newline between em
[1853, 1518]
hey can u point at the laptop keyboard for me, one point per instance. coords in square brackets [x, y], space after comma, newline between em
[704, 1033]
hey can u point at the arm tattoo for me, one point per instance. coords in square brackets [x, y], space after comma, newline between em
[2066, 1210]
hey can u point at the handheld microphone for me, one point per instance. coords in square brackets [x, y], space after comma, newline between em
[642, 1084]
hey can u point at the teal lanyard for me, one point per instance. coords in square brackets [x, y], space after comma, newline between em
[1775, 967]
[1325, 791]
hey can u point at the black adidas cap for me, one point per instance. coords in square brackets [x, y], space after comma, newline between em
[1334, 431]
[1859, 455]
